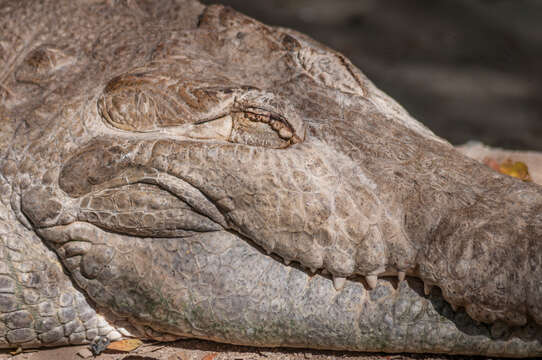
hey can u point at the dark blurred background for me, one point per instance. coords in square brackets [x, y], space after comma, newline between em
[467, 69]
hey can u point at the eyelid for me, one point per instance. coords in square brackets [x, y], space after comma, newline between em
[267, 103]
[219, 128]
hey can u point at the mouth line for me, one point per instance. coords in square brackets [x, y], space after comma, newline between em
[190, 194]
[80, 232]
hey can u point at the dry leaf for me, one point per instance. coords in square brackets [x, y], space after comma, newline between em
[125, 345]
[492, 163]
[515, 169]
[209, 356]
[17, 351]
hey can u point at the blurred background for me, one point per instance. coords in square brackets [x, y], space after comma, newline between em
[467, 69]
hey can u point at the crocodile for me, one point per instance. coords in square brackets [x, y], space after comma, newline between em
[173, 170]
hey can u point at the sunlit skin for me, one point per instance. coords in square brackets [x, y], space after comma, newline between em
[186, 171]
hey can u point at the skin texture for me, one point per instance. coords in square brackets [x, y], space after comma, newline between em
[173, 170]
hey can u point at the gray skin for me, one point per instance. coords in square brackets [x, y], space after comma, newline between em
[170, 170]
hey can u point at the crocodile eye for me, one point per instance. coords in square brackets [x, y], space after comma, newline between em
[262, 128]
[252, 126]
[149, 103]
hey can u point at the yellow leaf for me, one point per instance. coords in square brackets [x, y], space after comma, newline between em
[515, 169]
[125, 345]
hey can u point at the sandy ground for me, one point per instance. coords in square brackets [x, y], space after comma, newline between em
[206, 350]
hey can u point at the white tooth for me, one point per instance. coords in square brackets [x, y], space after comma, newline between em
[338, 282]
[401, 276]
[371, 280]
[313, 270]
[427, 288]
[285, 133]
[287, 261]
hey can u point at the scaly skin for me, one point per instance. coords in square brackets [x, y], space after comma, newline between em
[189, 172]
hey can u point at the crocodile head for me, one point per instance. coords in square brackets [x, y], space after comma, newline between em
[188, 141]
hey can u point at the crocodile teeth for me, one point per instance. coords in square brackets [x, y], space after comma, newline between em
[371, 280]
[338, 282]
[401, 275]
[287, 261]
[427, 288]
